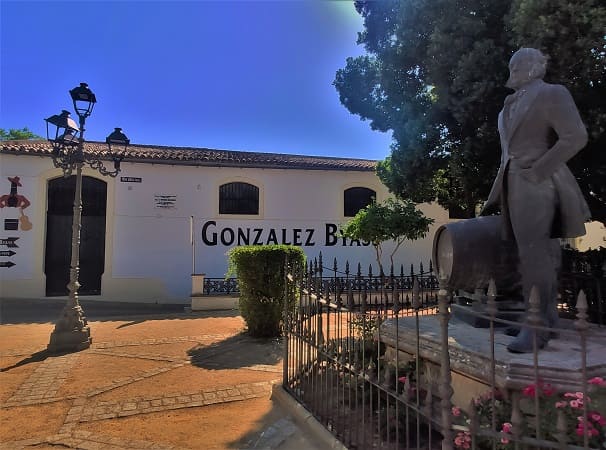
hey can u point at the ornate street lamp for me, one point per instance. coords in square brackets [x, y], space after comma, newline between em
[72, 332]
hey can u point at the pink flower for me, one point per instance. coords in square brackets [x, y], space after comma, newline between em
[529, 391]
[599, 381]
[590, 430]
[597, 418]
[456, 411]
[463, 440]
[506, 428]
[561, 404]
[402, 379]
[580, 430]
[548, 390]
[570, 395]
[576, 404]
[578, 394]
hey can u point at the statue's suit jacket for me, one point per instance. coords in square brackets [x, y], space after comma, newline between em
[540, 129]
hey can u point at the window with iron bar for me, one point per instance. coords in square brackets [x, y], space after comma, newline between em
[238, 198]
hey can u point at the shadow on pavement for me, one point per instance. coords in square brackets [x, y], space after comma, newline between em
[19, 311]
[35, 357]
[236, 352]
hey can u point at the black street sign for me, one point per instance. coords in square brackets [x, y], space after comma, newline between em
[11, 224]
[7, 253]
[9, 242]
[130, 179]
[7, 264]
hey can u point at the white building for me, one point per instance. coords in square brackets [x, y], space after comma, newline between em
[135, 242]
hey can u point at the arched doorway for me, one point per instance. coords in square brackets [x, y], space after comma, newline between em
[59, 216]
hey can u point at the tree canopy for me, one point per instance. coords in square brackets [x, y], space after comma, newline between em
[394, 220]
[434, 75]
[17, 134]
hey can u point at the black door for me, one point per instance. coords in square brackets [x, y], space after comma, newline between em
[59, 235]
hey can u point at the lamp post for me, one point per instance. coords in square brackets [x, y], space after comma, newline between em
[72, 332]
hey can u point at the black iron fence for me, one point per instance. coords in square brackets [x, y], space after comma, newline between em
[221, 286]
[584, 271]
[580, 271]
[379, 362]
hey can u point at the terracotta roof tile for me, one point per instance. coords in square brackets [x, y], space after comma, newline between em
[201, 156]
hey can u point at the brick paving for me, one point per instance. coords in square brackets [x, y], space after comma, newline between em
[44, 383]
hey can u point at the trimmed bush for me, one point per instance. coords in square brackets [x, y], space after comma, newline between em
[260, 272]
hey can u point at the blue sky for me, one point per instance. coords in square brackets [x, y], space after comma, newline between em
[238, 75]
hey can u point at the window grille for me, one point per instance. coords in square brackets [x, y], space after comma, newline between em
[238, 198]
[356, 198]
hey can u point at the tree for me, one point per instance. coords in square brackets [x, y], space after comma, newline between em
[434, 74]
[393, 219]
[16, 134]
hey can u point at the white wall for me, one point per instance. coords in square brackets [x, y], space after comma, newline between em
[148, 249]
[593, 239]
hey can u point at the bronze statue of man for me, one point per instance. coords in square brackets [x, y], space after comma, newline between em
[540, 129]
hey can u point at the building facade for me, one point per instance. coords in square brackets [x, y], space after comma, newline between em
[175, 211]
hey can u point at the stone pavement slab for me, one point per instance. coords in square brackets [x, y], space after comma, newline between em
[104, 398]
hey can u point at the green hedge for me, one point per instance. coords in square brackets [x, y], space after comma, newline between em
[260, 272]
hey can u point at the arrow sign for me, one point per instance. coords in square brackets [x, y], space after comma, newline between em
[7, 253]
[9, 242]
[7, 264]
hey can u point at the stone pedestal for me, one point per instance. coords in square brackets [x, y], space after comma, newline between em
[559, 363]
[71, 333]
[471, 309]
[197, 284]
[62, 341]
[203, 302]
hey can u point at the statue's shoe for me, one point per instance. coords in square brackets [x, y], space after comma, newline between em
[524, 342]
[514, 331]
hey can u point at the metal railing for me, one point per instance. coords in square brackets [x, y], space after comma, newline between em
[221, 286]
[373, 359]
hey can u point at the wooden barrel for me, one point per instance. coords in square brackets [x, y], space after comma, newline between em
[470, 252]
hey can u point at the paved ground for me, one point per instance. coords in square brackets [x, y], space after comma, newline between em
[157, 379]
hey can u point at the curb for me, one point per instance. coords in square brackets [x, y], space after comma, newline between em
[304, 419]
